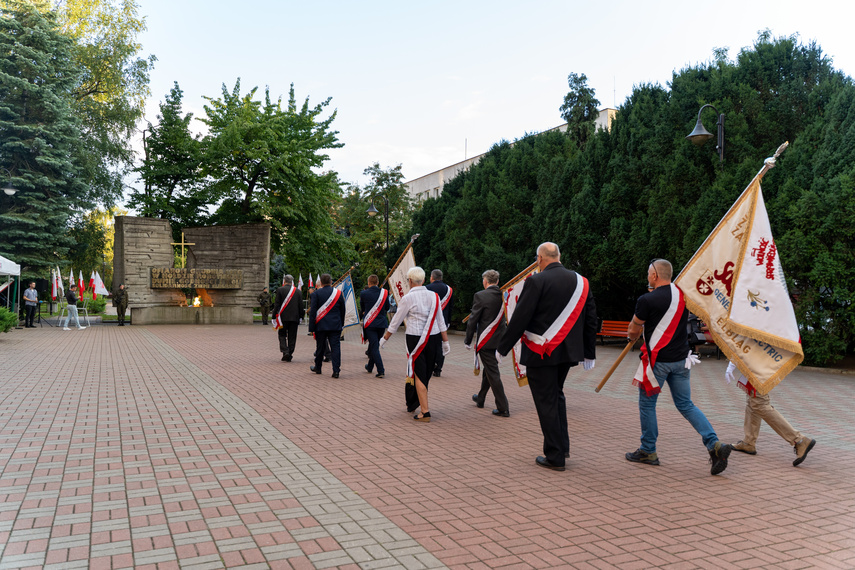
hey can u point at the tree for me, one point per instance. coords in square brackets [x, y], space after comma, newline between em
[110, 95]
[171, 170]
[39, 138]
[579, 108]
[265, 164]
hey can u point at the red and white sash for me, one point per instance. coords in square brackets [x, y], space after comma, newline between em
[325, 308]
[557, 331]
[485, 337]
[446, 299]
[417, 350]
[277, 321]
[375, 310]
[662, 335]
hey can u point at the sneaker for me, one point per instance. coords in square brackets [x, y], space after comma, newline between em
[66, 329]
[639, 456]
[80, 328]
[803, 446]
[744, 448]
[718, 457]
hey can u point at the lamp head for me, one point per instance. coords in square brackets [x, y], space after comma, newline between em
[10, 190]
[700, 135]
[372, 211]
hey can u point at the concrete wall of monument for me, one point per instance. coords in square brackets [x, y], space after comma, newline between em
[140, 244]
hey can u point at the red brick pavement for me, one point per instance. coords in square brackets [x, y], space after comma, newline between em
[146, 446]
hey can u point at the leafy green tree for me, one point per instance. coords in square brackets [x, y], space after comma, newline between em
[90, 243]
[265, 164]
[579, 108]
[39, 138]
[171, 169]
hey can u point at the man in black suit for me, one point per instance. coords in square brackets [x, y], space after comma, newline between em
[373, 304]
[487, 319]
[557, 320]
[289, 317]
[445, 297]
[326, 321]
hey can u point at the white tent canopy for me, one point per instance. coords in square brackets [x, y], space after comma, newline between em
[9, 267]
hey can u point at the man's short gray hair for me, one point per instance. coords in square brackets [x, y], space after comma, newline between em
[288, 279]
[492, 276]
[436, 274]
[417, 275]
[663, 268]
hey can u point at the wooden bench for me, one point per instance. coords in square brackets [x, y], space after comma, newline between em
[613, 329]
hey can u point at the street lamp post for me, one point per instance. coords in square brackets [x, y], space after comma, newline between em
[9, 190]
[700, 135]
[372, 211]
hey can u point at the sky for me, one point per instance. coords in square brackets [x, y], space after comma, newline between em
[429, 84]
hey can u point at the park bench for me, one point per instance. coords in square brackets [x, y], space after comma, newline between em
[612, 329]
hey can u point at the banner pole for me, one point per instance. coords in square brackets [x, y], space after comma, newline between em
[615, 365]
[340, 279]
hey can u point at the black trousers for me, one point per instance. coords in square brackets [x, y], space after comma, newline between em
[547, 390]
[491, 379]
[334, 340]
[372, 337]
[439, 359]
[423, 365]
[288, 337]
[30, 315]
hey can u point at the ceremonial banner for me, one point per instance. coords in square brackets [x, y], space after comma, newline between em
[351, 315]
[735, 284]
[512, 290]
[100, 288]
[398, 284]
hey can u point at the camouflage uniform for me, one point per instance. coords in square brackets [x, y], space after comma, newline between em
[264, 303]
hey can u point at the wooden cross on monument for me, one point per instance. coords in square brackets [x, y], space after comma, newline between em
[182, 244]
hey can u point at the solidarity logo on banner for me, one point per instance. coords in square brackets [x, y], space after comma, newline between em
[735, 284]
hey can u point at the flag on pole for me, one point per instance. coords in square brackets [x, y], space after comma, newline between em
[99, 287]
[80, 284]
[300, 282]
[511, 292]
[351, 315]
[318, 280]
[311, 285]
[92, 284]
[53, 289]
[735, 284]
[398, 284]
[59, 281]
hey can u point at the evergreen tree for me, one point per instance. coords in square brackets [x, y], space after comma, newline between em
[39, 138]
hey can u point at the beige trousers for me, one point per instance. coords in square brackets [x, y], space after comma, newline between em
[759, 408]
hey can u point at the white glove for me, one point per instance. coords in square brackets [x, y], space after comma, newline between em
[589, 364]
[446, 347]
[382, 341]
[468, 346]
[730, 373]
[498, 357]
[691, 360]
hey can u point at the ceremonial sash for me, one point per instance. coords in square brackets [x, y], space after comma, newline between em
[277, 321]
[485, 338]
[662, 335]
[417, 350]
[325, 308]
[375, 310]
[446, 299]
[558, 331]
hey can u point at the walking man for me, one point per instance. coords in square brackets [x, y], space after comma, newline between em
[326, 321]
[556, 318]
[71, 297]
[445, 293]
[373, 304]
[666, 359]
[287, 310]
[487, 319]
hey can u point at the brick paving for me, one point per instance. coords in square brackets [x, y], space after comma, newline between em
[196, 447]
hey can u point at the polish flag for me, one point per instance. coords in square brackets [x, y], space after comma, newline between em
[80, 284]
[92, 284]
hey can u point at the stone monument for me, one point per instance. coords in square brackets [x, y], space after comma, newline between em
[228, 266]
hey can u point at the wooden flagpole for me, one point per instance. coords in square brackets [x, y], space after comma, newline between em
[400, 258]
[615, 365]
[340, 279]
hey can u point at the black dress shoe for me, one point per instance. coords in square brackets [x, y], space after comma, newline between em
[284, 358]
[566, 455]
[475, 399]
[288, 358]
[315, 370]
[326, 359]
[505, 414]
[367, 369]
[335, 375]
[437, 373]
[379, 375]
[544, 462]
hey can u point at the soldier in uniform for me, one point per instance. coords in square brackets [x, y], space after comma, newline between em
[264, 303]
[120, 301]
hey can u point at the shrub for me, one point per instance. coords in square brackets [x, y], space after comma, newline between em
[8, 320]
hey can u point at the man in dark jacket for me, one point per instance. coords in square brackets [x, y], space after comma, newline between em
[445, 299]
[488, 321]
[557, 320]
[373, 305]
[287, 318]
[326, 321]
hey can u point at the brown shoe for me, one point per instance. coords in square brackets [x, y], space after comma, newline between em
[803, 446]
[744, 448]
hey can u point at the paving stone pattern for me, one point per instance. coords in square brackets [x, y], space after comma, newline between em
[196, 447]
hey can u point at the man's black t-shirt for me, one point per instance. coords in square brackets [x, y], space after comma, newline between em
[650, 308]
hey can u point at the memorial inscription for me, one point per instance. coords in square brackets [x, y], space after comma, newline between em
[183, 278]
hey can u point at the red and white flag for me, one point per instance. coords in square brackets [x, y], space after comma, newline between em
[311, 285]
[300, 282]
[80, 284]
[92, 284]
[512, 291]
[100, 288]
[59, 283]
[735, 284]
[53, 289]
[398, 283]
[318, 280]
